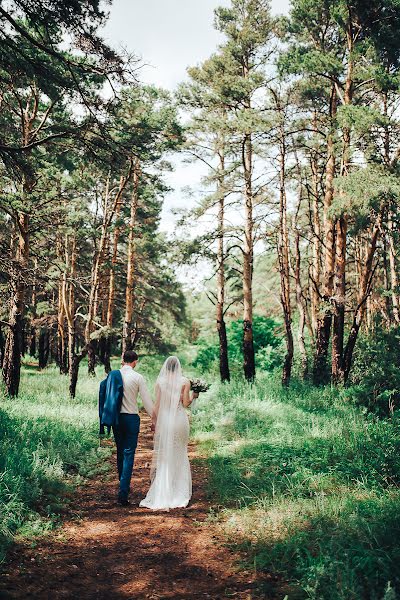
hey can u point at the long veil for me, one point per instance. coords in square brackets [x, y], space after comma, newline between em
[168, 391]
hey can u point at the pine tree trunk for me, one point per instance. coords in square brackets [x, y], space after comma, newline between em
[127, 342]
[391, 282]
[53, 347]
[62, 344]
[2, 347]
[95, 280]
[105, 353]
[73, 366]
[63, 351]
[387, 313]
[221, 327]
[249, 366]
[67, 291]
[73, 374]
[12, 354]
[15, 337]
[24, 346]
[300, 307]
[32, 343]
[108, 342]
[110, 208]
[363, 293]
[32, 336]
[44, 348]
[394, 283]
[324, 322]
[283, 258]
[91, 355]
[14, 342]
[223, 352]
[338, 367]
[339, 301]
[316, 240]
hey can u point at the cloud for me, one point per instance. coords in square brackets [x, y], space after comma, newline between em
[169, 36]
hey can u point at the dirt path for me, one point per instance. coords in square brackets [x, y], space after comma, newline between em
[127, 553]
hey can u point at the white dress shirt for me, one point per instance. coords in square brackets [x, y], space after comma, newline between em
[134, 384]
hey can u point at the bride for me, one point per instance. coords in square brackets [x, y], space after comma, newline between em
[171, 479]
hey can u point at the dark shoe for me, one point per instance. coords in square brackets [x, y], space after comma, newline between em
[123, 501]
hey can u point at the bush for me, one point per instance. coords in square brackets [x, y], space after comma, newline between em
[375, 375]
[267, 346]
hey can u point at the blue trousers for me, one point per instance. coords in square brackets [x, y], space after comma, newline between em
[126, 437]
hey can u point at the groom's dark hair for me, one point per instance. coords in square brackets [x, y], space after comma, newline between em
[129, 356]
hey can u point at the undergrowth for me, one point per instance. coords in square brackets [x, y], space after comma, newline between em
[48, 444]
[307, 484]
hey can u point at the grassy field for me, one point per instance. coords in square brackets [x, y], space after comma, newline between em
[48, 444]
[307, 485]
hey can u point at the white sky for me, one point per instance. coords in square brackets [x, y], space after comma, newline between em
[169, 36]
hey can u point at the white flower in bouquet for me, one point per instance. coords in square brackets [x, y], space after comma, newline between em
[198, 385]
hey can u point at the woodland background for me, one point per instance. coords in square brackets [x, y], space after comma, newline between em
[297, 320]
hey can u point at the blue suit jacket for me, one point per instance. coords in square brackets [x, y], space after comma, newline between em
[110, 400]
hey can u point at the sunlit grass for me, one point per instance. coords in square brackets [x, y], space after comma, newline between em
[49, 442]
[307, 485]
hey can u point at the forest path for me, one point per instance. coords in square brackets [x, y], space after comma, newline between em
[108, 551]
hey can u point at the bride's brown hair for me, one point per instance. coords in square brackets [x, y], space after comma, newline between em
[172, 363]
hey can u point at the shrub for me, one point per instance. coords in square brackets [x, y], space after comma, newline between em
[267, 346]
[375, 375]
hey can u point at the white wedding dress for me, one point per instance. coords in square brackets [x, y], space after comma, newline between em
[171, 479]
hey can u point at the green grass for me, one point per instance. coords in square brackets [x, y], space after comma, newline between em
[48, 444]
[307, 485]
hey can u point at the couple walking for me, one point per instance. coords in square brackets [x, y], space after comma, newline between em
[170, 476]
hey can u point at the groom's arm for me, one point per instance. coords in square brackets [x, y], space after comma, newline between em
[145, 396]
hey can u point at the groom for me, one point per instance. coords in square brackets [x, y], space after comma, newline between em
[118, 409]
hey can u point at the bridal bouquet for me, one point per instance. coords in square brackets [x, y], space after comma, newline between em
[198, 385]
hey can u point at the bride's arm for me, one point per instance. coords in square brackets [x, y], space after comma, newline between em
[187, 400]
[156, 406]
